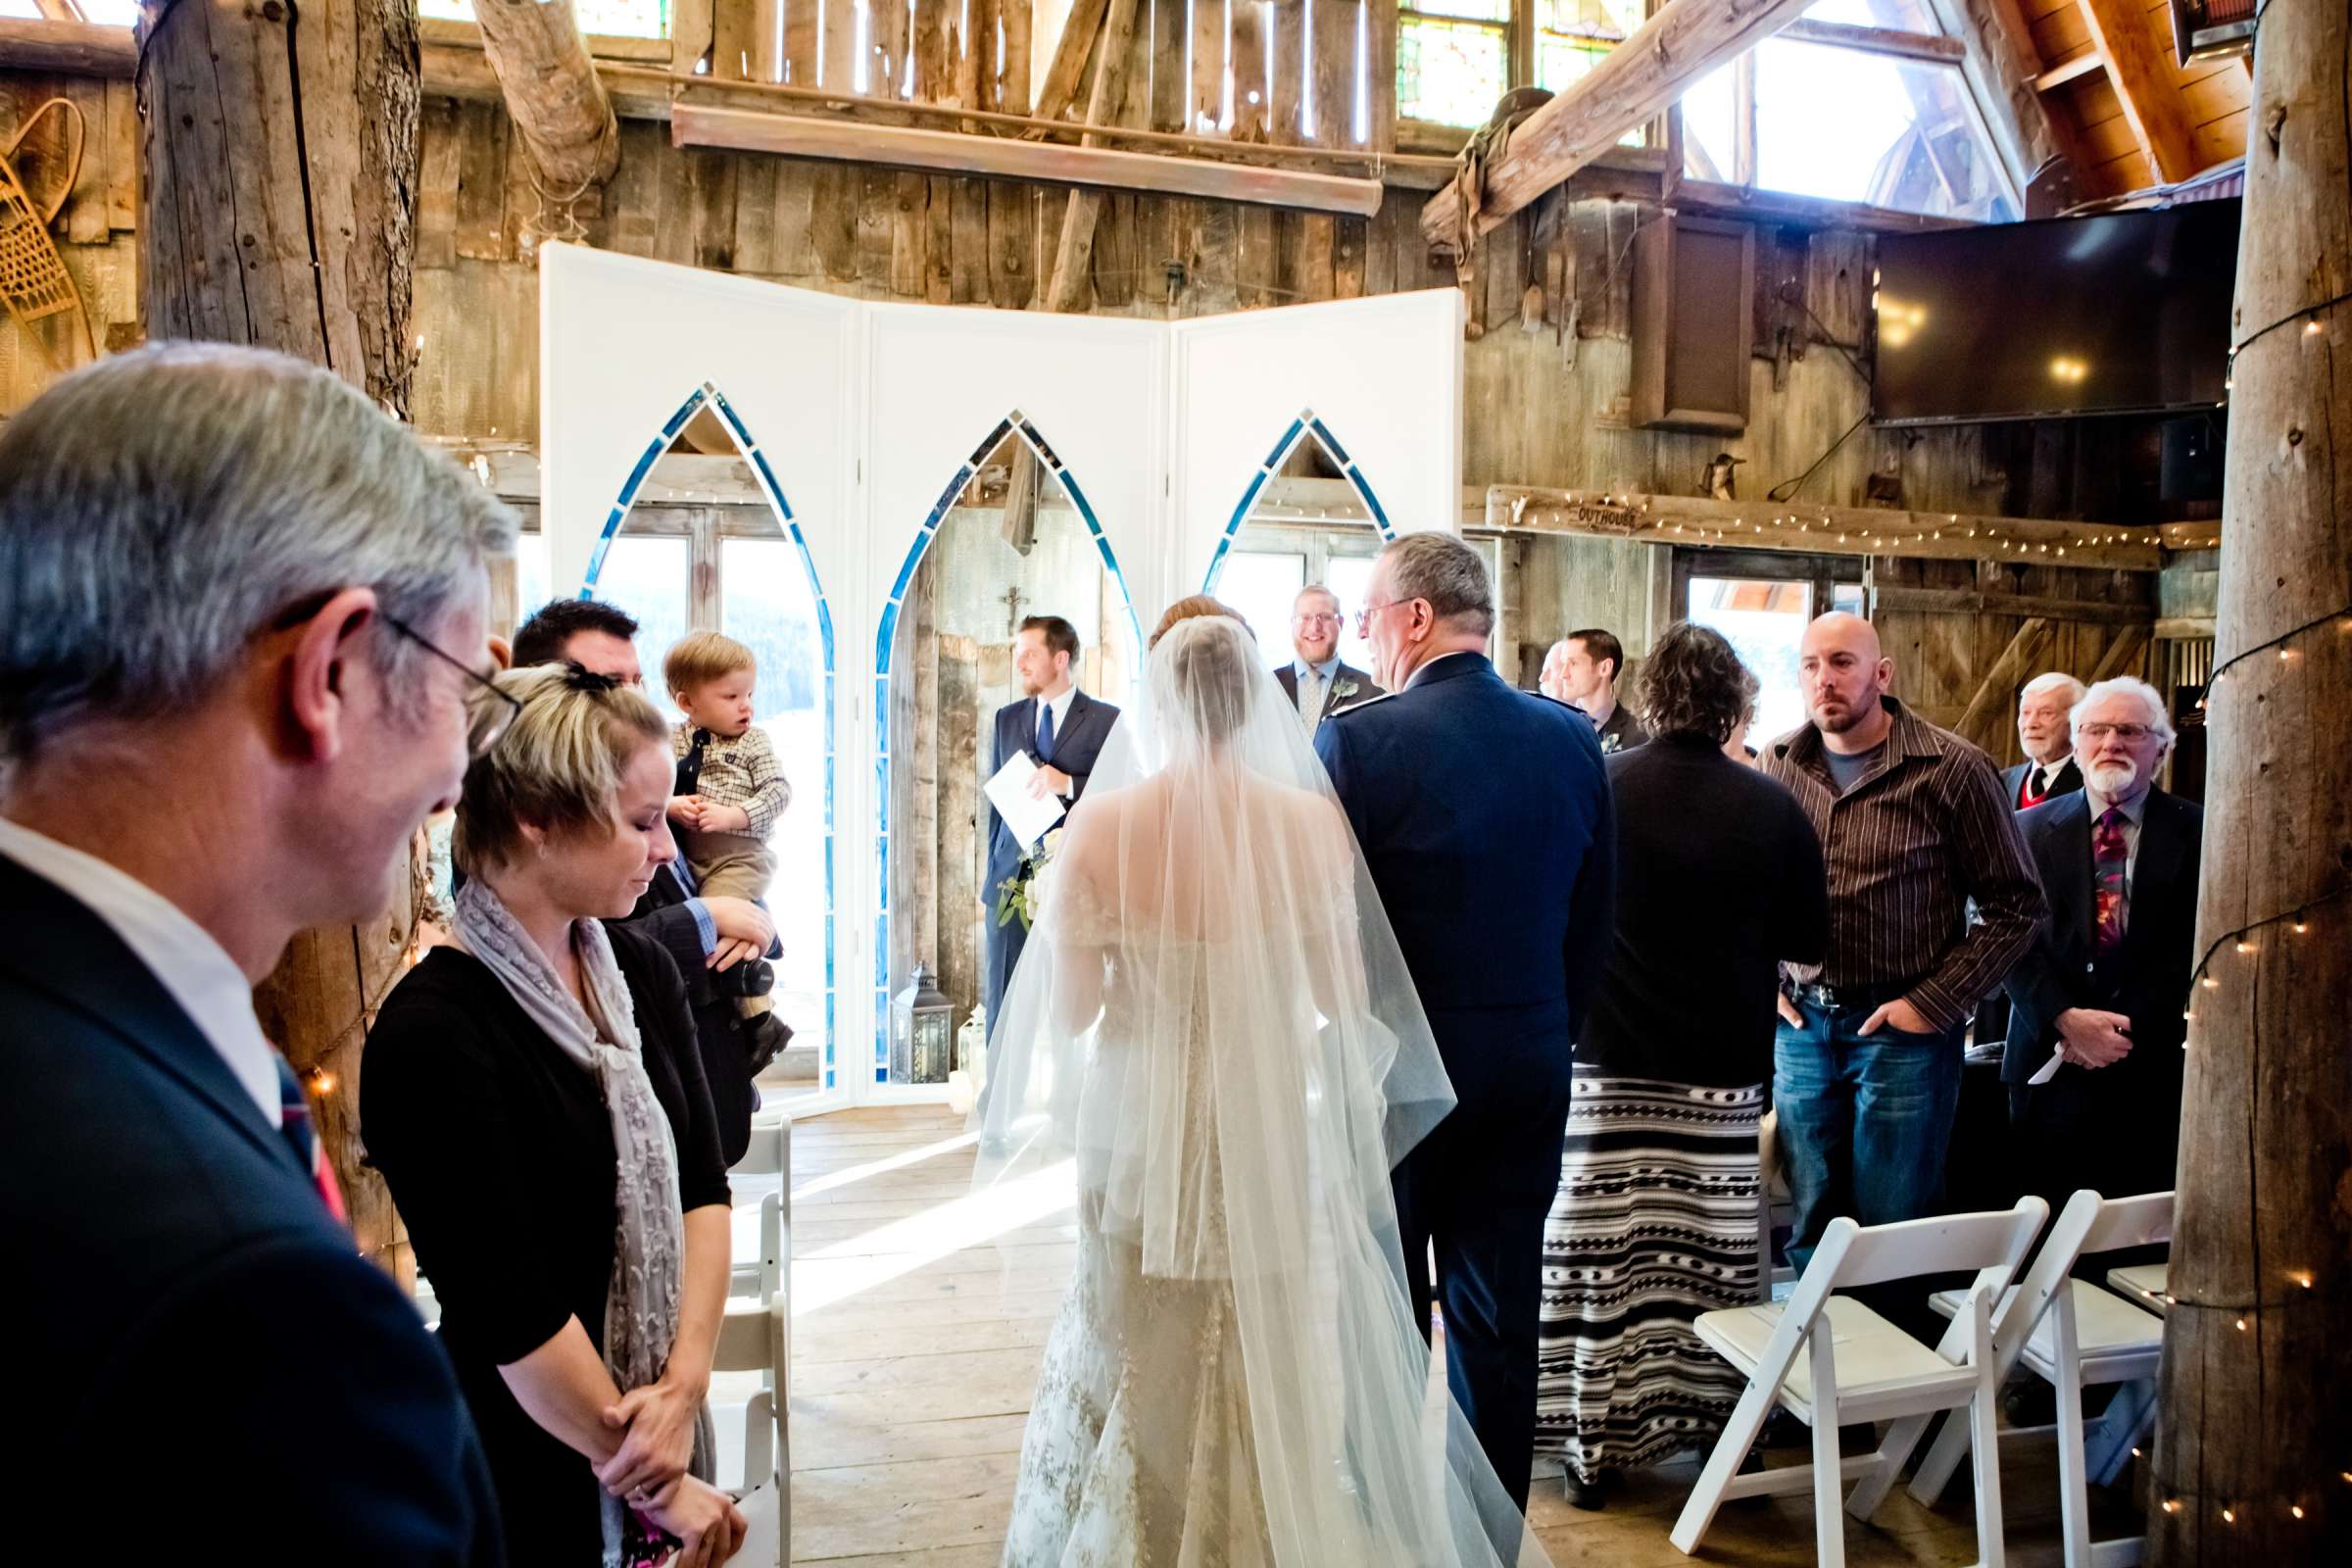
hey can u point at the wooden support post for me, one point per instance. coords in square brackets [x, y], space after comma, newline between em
[1640, 79]
[1073, 255]
[2255, 1402]
[552, 91]
[279, 210]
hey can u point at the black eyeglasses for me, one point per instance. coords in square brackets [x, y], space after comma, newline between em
[489, 710]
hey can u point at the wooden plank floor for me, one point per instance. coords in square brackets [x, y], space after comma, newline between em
[919, 1319]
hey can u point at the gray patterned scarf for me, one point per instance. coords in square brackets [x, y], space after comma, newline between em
[648, 1256]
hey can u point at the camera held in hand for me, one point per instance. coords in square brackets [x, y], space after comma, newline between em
[753, 977]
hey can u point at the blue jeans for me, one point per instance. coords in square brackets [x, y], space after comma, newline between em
[1864, 1120]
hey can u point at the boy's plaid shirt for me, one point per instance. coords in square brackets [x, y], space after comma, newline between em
[741, 770]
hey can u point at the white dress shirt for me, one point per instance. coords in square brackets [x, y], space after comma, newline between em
[194, 969]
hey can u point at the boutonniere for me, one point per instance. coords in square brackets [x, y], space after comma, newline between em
[1343, 689]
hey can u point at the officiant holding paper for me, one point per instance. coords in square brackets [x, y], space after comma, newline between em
[1058, 730]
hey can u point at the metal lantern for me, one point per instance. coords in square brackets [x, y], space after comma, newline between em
[921, 1029]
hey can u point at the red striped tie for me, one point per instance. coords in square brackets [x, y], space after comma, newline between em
[295, 1126]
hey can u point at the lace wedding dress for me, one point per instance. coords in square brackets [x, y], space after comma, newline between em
[1213, 1034]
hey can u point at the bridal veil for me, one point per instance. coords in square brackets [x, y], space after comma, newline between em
[1213, 1026]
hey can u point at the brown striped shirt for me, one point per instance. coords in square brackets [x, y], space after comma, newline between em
[1927, 829]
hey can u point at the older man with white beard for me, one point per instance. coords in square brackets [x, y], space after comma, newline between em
[2102, 992]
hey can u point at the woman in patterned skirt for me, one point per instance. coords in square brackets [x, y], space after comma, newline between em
[1719, 879]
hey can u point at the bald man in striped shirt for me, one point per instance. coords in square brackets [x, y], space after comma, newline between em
[1914, 825]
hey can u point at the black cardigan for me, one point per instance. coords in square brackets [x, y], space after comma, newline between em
[1719, 877]
[498, 1153]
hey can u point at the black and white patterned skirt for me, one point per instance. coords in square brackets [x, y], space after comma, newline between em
[1656, 1222]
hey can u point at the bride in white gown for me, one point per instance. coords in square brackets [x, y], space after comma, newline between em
[1212, 1021]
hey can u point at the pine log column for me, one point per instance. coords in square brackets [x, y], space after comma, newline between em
[2253, 1451]
[278, 161]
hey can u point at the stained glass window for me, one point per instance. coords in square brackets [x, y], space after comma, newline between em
[614, 18]
[1572, 36]
[1452, 70]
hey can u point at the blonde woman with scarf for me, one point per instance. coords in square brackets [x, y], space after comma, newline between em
[535, 1100]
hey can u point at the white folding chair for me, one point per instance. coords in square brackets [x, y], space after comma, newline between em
[2148, 1283]
[756, 1337]
[761, 1274]
[1829, 1361]
[2072, 1335]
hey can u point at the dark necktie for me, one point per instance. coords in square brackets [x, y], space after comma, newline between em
[2109, 856]
[1045, 732]
[2041, 782]
[690, 766]
[294, 1126]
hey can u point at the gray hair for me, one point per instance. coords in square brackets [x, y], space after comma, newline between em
[2054, 682]
[160, 508]
[2126, 686]
[1448, 573]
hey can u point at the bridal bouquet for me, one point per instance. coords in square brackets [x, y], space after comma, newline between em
[1024, 893]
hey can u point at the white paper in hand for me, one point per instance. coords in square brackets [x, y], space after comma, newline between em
[2049, 1069]
[1028, 817]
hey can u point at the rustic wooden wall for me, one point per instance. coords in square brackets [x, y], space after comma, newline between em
[96, 230]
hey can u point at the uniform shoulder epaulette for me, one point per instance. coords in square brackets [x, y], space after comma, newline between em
[1358, 707]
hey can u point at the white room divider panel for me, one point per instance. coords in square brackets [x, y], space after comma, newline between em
[1377, 381]
[863, 421]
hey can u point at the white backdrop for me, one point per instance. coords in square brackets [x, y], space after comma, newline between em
[864, 413]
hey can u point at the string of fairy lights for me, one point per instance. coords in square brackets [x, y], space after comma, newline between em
[1990, 535]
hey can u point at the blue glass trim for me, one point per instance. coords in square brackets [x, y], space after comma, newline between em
[980, 453]
[775, 491]
[1380, 513]
[890, 619]
[1281, 448]
[1331, 443]
[686, 411]
[824, 625]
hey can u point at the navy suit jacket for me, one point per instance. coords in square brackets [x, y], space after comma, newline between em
[181, 1302]
[1485, 817]
[1076, 745]
[2147, 981]
[718, 1025]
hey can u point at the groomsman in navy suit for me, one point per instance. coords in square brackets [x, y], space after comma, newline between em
[1329, 683]
[1485, 817]
[1062, 729]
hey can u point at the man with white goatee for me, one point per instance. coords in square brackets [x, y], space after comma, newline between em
[2103, 989]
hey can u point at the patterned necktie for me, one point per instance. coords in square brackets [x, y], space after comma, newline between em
[1311, 699]
[1045, 732]
[690, 766]
[2109, 855]
[294, 1125]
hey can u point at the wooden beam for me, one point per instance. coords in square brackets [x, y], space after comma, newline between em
[1722, 200]
[1071, 280]
[60, 11]
[71, 48]
[2121, 653]
[1059, 92]
[1822, 531]
[1931, 48]
[279, 212]
[2001, 682]
[694, 124]
[2254, 1409]
[2066, 71]
[1639, 78]
[1976, 602]
[2144, 87]
[447, 32]
[552, 91]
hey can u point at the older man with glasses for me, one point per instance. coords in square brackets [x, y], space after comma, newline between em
[2093, 1058]
[243, 652]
